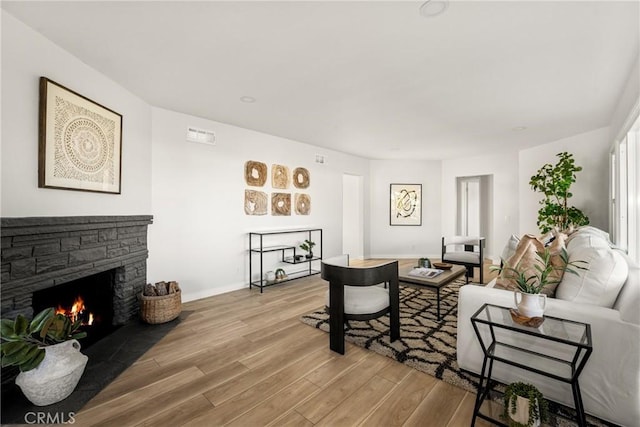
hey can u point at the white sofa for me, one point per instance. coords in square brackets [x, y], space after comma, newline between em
[610, 382]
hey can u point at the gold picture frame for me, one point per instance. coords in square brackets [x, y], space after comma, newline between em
[80, 142]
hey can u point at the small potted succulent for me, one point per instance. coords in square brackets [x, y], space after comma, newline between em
[308, 247]
[47, 353]
[524, 405]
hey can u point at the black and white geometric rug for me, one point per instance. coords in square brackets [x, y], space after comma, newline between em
[426, 344]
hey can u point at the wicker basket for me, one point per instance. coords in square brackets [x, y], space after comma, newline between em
[160, 309]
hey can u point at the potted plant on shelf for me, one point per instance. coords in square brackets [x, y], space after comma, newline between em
[524, 405]
[308, 247]
[530, 282]
[424, 263]
[554, 182]
[47, 353]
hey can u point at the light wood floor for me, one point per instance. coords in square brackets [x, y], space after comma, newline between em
[244, 359]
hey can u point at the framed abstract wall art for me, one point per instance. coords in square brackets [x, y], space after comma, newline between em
[405, 204]
[80, 142]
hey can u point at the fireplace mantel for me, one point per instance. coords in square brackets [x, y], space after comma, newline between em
[41, 252]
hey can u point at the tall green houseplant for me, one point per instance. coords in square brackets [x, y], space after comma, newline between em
[554, 181]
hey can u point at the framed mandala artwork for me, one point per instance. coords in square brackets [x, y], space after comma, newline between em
[80, 142]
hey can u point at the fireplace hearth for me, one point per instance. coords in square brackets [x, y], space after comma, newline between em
[50, 262]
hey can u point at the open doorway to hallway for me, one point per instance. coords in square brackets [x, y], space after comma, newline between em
[474, 208]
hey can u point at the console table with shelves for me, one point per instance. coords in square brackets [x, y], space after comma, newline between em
[263, 242]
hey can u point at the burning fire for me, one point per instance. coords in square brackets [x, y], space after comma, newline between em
[76, 312]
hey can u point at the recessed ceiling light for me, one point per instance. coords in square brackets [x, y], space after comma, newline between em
[248, 99]
[432, 8]
[519, 128]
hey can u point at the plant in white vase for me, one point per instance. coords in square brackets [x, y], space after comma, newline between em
[531, 281]
[47, 352]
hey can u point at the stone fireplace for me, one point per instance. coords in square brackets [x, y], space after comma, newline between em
[45, 252]
[47, 262]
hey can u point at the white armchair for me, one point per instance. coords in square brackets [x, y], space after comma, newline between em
[464, 250]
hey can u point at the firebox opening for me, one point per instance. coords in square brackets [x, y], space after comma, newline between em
[89, 298]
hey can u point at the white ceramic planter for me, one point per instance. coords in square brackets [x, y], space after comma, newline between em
[522, 412]
[57, 375]
[530, 305]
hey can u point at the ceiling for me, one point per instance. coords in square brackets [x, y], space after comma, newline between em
[370, 78]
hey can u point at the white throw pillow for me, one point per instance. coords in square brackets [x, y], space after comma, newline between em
[587, 231]
[510, 247]
[601, 283]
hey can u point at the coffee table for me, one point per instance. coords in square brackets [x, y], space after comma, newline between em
[435, 283]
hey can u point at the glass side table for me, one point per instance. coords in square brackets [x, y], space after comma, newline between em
[557, 349]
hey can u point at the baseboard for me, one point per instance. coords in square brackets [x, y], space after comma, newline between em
[192, 296]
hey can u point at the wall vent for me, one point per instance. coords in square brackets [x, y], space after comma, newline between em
[321, 159]
[201, 136]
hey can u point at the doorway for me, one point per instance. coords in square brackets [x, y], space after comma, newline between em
[352, 216]
[468, 223]
[473, 217]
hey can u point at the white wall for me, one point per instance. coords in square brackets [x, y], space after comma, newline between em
[199, 235]
[353, 216]
[590, 191]
[405, 241]
[627, 106]
[504, 208]
[26, 55]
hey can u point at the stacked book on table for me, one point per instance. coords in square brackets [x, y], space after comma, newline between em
[425, 273]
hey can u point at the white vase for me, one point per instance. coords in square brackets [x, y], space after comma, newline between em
[57, 375]
[530, 305]
[521, 415]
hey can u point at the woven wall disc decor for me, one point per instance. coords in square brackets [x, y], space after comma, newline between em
[280, 204]
[255, 173]
[279, 176]
[303, 204]
[255, 202]
[301, 178]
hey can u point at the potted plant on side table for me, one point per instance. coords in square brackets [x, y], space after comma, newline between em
[524, 405]
[530, 281]
[47, 352]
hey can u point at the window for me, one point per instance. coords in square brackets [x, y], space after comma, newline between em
[624, 186]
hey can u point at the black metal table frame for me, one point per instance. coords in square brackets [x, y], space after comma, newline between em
[577, 363]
